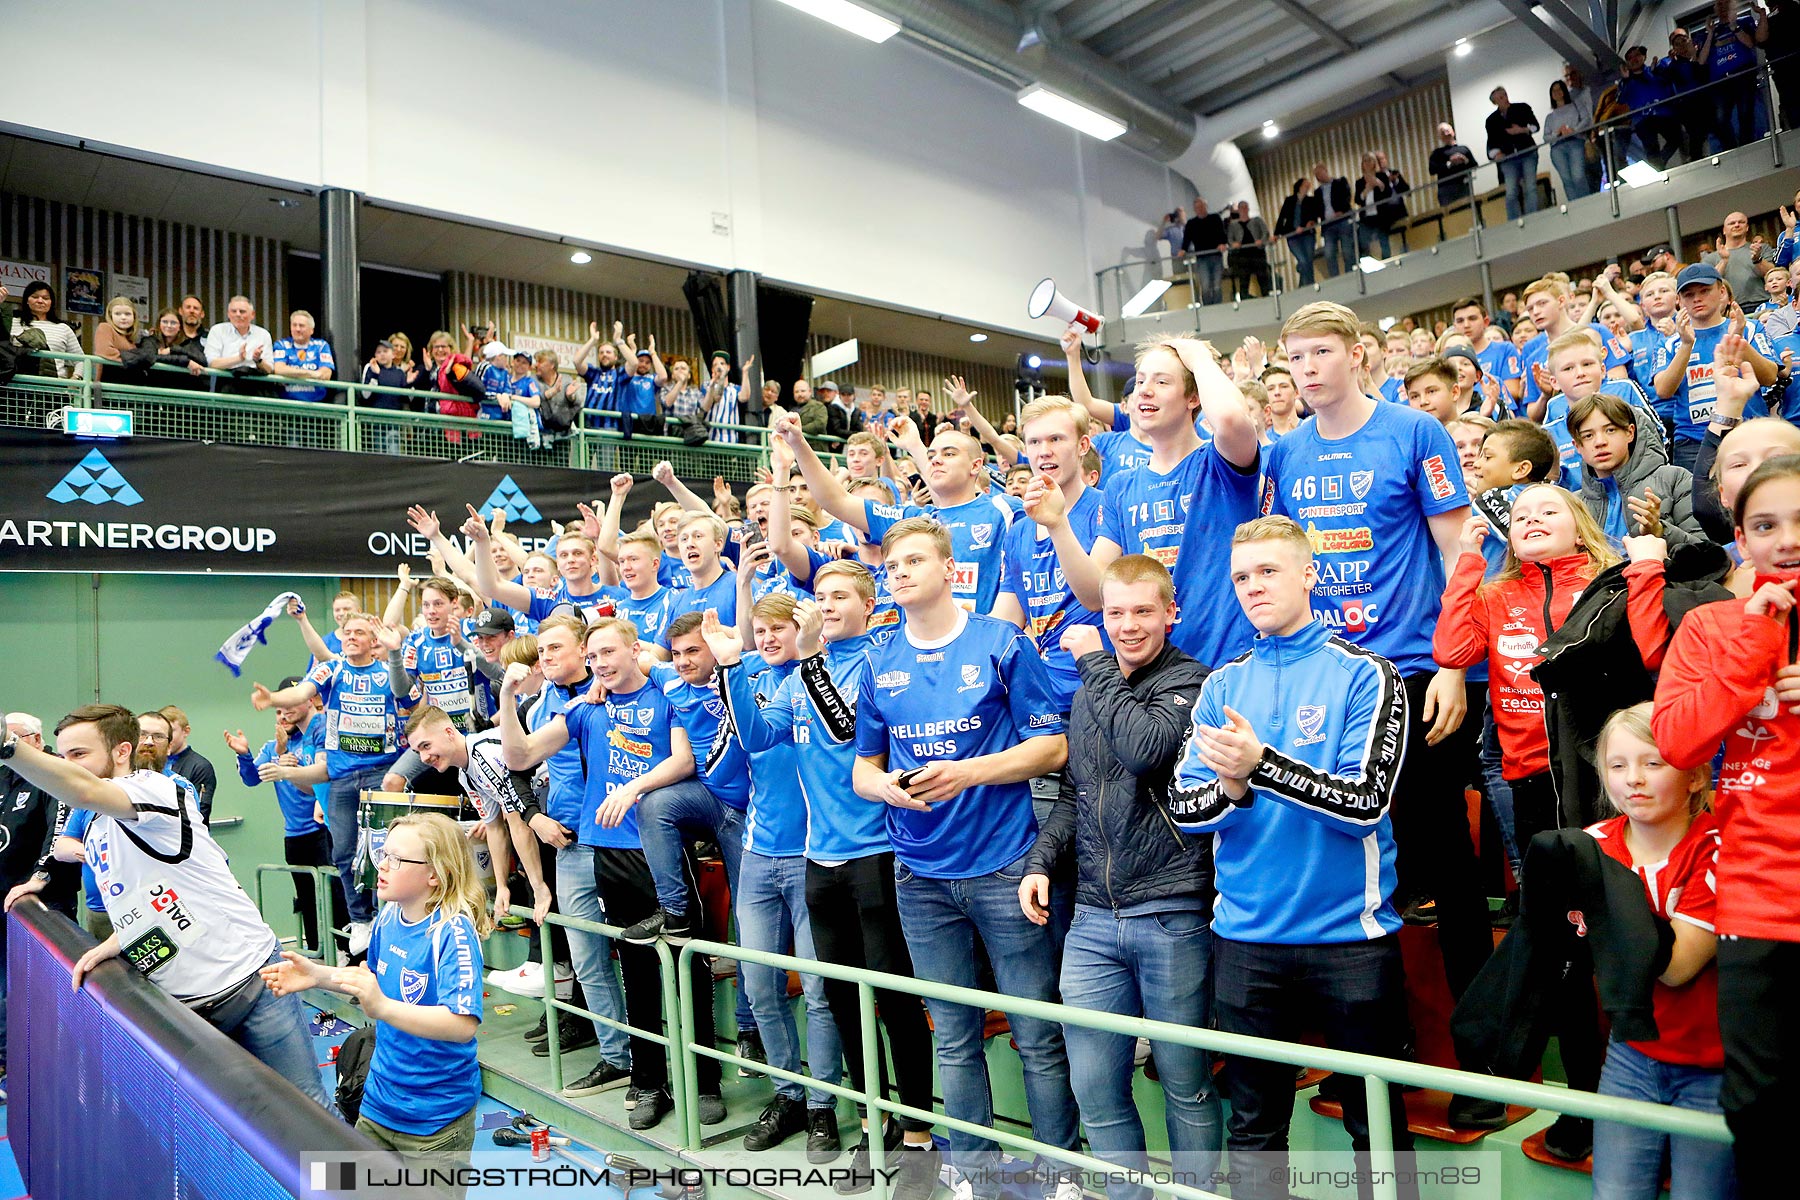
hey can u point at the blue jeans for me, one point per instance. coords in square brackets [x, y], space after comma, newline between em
[1153, 966]
[772, 915]
[1210, 267]
[1518, 174]
[275, 1031]
[941, 918]
[340, 817]
[1570, 159]
[1367, 236]
[1062, 887]
[1302, 246]
[1340, 244]
[577, 896]
[1683, 453]
[1628, 1161]
[1499, 792]
[662, 815]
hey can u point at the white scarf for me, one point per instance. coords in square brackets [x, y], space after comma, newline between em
[237, 647]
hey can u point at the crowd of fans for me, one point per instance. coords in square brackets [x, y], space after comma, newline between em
[984, 684]
[1702, 96]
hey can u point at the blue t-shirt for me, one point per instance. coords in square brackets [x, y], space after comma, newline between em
[721, 594]
[1537, 353]
[315, 354]
[672, 572]
[775, 820]
[1644, 344]
[77, 827]
[621, 740]
[1033, 576]
[980, 691]
[651, 615]
[549, 602]
[1393, 390]
[496, 381]
[1500, 359]
[1120, 452]
[568, 780]
[419, 1085]
[362, 715]
[639, 392]
[294, 800]
[719, 759]
[1696, 395]
[1790, 400]
[977, 533]
[1364, 500]
[442, 670]
[1729, 55]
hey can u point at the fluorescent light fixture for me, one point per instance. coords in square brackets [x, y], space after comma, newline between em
[1147, 295]
[1463, 48]
[978, 337]
[1371, 265]
[581, 258]
[1640, 174]
[1077, 116]
[852, 17]
[1388, 323]
[1271, 130]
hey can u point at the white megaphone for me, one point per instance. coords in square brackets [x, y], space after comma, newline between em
[1046, 301]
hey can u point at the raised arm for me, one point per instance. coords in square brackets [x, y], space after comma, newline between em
[792, 554]
[690, 501]
[827, 492]
[315, 645]
[73, 785]
[515, 596]
[520, 749]
[1222, 404]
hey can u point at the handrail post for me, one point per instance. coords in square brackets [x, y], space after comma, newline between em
[684, 1067]
[352, 427]
[1381, 1138]
[1768, 91]
[1607, 155]
[552, 1017]
[871, 1057]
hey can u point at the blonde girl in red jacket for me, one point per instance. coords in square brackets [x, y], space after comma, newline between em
[1555, 549]
[1730, 677]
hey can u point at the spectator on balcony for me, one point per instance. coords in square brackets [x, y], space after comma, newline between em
[640, 398]
[606, 378]
[455, 380]
[1340, 244]
[1394, 208]
[1450, 165]
[1779, 36]
[683, 399]
[1298, 222]
[117, 333]
[1742, 264]
[1566, 127]
[837, 413]
[1374, 191]
[1509, 143]
[1728, 50]
[1692, 110]
[725, 407]
[193, 317]
[1174, 231]
[1203, 242]
[239, 345]
[383, 370]
[1655, 134]
[810, 408]
[561, 398]
[166, 343]
[300, 355]
[41, 328]
[1248, 236]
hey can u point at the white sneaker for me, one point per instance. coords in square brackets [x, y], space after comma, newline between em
[565, 981]
[526, 979]
[962, 1189]
[359, 937]
[1141, 1053]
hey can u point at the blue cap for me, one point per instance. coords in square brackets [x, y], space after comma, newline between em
[1697, 273]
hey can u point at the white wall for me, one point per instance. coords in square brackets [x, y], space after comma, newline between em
[879, 172]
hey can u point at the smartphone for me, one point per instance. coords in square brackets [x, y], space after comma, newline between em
[752, 537]
[906, 777]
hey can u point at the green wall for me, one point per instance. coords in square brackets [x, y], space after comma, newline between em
[144, 641]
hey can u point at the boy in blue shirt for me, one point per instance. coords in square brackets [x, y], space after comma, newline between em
[1684, 366]
[953, 718]
[1290, 769]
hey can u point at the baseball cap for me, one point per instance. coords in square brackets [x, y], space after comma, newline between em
[1656, 251]
[826, 386]
[1461, 352]
[644, 354]
[495, 349]
[1697, 273]
[491, 621]
[285, 684]
[724, 354]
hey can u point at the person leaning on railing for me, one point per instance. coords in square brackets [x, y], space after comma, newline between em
[40, 328]
[168, 344]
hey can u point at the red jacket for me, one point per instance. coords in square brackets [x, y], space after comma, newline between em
[1719, 685]
[1505, 623]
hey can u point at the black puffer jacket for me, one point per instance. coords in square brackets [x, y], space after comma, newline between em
[1125, 738]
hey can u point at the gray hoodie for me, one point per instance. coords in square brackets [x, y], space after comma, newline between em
[1647, 469]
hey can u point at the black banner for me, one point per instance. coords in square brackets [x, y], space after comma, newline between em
[152, 504]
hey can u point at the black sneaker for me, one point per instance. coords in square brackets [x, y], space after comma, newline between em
[651, 1108]
[919, 1170]
[749, 1045]
[1473, 1112]
[781, 1120]
[712, 1108]
[645, 931]
[541, 1031]
[632, 1096]
[822, 1144]
[1570, 1138]
[604, 1077]
[860, 1177]
[677, 929]
[577, 1034]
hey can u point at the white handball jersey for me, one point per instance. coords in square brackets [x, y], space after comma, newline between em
[181, 918]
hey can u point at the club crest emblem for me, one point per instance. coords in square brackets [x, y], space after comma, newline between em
[1361, 482]
[1311, 719]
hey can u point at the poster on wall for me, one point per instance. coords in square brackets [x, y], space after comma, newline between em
[81, 292]
[71, 504]
[15, 274]
[135, 288]
[565, 351]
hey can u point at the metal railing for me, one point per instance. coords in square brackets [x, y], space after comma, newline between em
[1116, 284]
[323, 879]
[1377, 1073]
[351, 424]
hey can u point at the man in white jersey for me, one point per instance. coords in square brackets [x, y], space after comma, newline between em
[179, 918]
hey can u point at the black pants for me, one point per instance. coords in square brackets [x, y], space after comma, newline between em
[1354, 992]
[628, 894]
[314, 850]
[856, 923]
[1433, 854]
[1534, 807]
[1757, 982]
[559, 936]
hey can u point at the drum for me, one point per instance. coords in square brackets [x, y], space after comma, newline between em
[375, 811]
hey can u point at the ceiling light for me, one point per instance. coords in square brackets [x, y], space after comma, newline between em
[1077, 116]
[1147, 295]
[1271, 130]
[852, 17]
[1371, 265]
[1463, 48]
[1034, 361]
[978, 337]
[1640, 174]
[1387, 323]
[581, 258]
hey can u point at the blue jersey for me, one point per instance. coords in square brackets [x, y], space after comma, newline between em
[775, 821]
[1500, 359]
[639, 395]
[416, 1084]
[1120, 452]
[814, 710]
[1393, 390]
[650, 616]
[775, 577]
[1790, 400]
[621, 740]
[550, 602]
[568, 779]
[603, 386]
[977, 533]
[672, 572]
[1556, 424]
[295, 801]
[1696, 396]
[979, 691]
[496, 381]
[719, 761]
[77, 827]
[720, 594]
[1363, 501]
[1033, 576]
[887, 615]
[362, 715]
[1307, 856]
[1536, 352]
[1645, 343]
[443, 674]
[315, 354]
